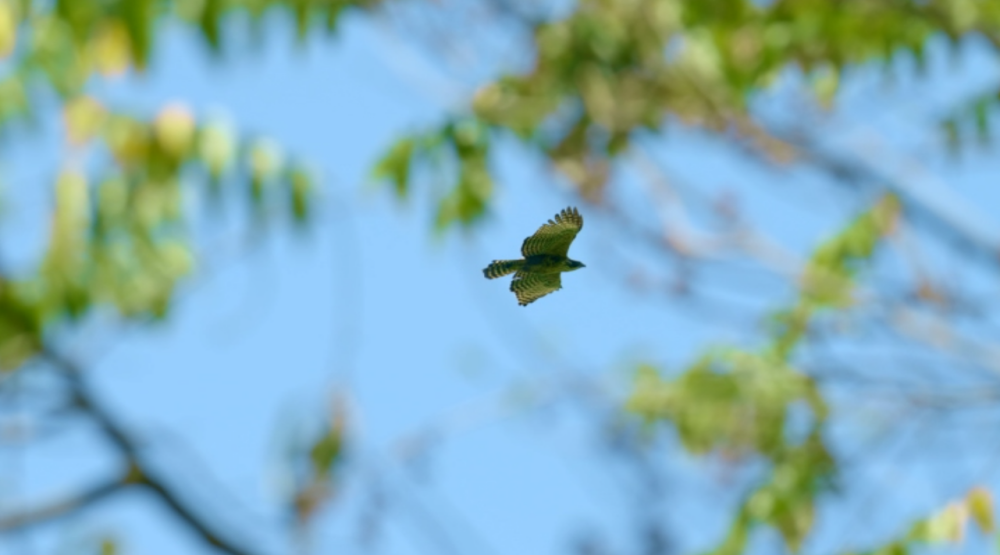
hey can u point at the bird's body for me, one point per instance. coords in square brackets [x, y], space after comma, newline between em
[545, 258]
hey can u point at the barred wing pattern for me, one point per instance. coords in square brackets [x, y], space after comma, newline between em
[529, 286]
[555, 236]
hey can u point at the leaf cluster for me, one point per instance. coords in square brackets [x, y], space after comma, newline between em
[741, 403]
[458, 149]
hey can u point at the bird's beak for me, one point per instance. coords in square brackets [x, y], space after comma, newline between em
[582, 265]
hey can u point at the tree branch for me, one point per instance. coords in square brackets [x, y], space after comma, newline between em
[941, 211]
[62, 508]
[130, 448]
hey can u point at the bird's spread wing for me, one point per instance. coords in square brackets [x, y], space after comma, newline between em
[555, 236]
[529, 287]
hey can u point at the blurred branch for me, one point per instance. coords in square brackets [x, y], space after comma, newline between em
[62, 508]
[130, 449]
[939, 209]
[910, 323]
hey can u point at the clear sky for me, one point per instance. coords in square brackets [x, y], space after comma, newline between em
[373, 306]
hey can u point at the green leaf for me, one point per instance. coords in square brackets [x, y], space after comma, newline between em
[265, 160]
[8, 28]
[301, 11]
[174, 129]
[327, 451]
[209, 22]
[13, 99]
[216, 148]
[20, 327]
[980, 503]
[139, 20]
[948, 524]
[300, 188]
[175, 259]
[737, 537]
[981, 115]
[81, 16]
[396, 164]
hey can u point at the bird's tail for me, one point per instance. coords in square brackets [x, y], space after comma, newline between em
[500, 268]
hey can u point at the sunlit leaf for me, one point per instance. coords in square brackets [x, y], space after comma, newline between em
[216, 148]
[8, 28]
[175, 258]
[175, 128]
[265, 160]
[948, 524]
[13, 98]
[395, 165]
[112, 48]
[980, 503]
[72, 205]
[128, 140]
[83, 117]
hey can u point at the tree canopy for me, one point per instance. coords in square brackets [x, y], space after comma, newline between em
[600, 91]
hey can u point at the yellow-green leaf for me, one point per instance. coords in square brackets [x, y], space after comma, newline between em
[83, 117]
[8, 28]
[980, 503]
[174, 128]
[216, 148]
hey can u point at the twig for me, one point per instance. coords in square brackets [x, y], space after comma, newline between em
[131, 450]
[62, 508]
[930, 203]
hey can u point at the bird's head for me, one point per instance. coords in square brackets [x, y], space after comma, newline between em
[574, 265]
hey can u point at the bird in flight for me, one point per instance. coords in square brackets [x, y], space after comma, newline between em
[545, 258]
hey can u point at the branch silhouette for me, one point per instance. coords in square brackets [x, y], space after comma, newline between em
[138, 473]
[62, 508]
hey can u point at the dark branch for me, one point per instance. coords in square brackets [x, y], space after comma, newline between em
[65, 507]
[943, 215]
[130, 449]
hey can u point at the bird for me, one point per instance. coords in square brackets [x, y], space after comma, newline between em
[545, 259]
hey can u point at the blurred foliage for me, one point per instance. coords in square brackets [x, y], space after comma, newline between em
[744, 403]
[946, 527]
[972, 119]
[317, 464]
[830, 274]
[615, 68]
[728, 400]
[119, 234]
[606, 72]
[611, 70]
[459, 147]
[109, 546]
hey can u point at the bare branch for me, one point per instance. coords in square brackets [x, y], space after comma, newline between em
[939, 210]
[62, 508]
[131, 450]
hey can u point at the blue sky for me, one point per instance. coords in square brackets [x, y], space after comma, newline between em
[373, 306]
